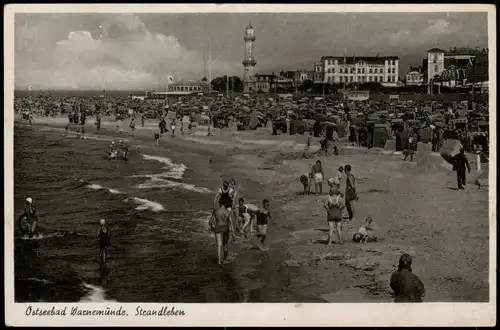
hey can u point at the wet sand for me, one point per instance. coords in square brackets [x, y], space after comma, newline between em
[415, 210]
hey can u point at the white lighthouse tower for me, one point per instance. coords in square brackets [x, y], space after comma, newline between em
[249, 61]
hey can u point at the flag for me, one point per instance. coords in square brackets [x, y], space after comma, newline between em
[30, 87]
[170, 79]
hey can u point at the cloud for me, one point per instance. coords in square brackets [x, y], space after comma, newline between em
[123, 54]
[438, 27]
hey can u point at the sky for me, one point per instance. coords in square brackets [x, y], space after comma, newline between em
[138, 51]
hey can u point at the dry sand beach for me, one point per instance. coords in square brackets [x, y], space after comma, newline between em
[416, 209]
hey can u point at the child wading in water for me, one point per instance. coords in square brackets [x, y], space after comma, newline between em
[157, 138]
[336, 213]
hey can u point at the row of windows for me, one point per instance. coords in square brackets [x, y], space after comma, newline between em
[336, 62]
[331, 79]
[262, 86]
[187, 88]
[362, 71]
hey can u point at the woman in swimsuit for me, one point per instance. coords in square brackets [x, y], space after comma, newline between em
[336, 212]
[262, 219]
[318, 175]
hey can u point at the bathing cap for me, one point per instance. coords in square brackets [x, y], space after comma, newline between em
[102, 222]
[29, 200]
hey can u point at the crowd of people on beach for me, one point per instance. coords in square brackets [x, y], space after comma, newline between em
[233, 214]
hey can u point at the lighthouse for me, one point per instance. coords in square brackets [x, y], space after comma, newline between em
[249, 61]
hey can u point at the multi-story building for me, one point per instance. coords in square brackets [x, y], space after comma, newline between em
[318, 76]
[415, 77]
[265, 82]
[456, 66]
[347, 70]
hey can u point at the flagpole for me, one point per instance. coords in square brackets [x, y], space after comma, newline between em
[166, 93]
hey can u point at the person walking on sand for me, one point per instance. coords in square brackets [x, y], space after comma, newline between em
[98, 122]
[318, 175]
[143, 119]
[132, 124]
[407, 287]
[309, 140]
[461, 163]
[336, 213]
[172, 127]
[222, 225]
[350, 191]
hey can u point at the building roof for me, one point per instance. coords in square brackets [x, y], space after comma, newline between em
[356, 59]
[189, 83]
[436, 50]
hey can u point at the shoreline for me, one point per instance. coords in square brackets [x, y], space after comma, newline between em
[385, 194]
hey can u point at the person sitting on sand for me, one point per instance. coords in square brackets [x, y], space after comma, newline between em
[263, 215]
[306, 180]
[318, 175]
[247, 212]
[336, 213]
[407, 287]
[365, 233]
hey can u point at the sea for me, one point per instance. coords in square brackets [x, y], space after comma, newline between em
[157, 205]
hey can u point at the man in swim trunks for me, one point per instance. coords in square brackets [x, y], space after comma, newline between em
[104, 237]
[223, 226]
[263, 216]
[247, 213]
[30, 214]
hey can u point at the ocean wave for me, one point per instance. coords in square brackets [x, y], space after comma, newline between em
[95, 294]
[99, 187]
[146, 204]
[40, 236]
[174, 171]
[155, 182]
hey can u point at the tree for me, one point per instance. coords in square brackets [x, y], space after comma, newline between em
[220, 84]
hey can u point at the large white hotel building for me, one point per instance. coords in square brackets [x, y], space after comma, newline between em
[339, 70]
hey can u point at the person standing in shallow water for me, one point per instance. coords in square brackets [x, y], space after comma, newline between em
[407, 287]
[318, 175]
[350, 191]
[222, 226]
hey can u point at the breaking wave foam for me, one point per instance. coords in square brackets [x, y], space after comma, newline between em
[146, 204]
[174, 171]
[96, 294]
[155, 182]
[99, 187]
